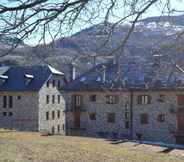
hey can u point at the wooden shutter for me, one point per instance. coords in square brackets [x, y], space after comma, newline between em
[180, 100]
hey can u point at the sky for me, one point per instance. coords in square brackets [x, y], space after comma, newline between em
[119, 12]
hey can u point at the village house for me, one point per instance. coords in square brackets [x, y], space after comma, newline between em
[30, 99]
[145, 103]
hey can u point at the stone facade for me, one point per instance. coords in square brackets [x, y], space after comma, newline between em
[162, 102]
[28, 111]
[55, 123]
[156, 130]
[100, 126]
[23, 115]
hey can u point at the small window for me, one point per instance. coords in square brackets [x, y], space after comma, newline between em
[47, 83]
[161, 118]
[10, 114]
[4, 113]
[127, 115]
[18, 97]
[92, 116]
[126, 106]
[92, 98]
[144, 99]
[59, 84]
[53, 114]
[63, 127]
[58, 114]
[112, 99]
[10, 101]
[53, 99]
[53, 83]
[111, 117]
[53, 130]
[58, 98]
[58, 128]
[127, 124]
[144, 118]
[47, 99]
[47, 115]
[78, 100]
[4, 101]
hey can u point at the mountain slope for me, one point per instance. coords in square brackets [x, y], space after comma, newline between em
[149, 34]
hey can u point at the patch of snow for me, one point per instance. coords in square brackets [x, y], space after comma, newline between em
[54, 71]
[29, 76]
[82, 79]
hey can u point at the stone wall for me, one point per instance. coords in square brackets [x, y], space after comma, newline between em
[155, 130]
[100, 126]
[56, 125]
[24, 112]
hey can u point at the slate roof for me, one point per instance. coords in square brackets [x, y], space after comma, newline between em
[135, 76]
[17, 75]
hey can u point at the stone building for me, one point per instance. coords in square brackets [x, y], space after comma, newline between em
[31, 99]
[142, 102]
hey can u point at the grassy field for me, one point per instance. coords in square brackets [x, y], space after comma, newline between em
[31, 147]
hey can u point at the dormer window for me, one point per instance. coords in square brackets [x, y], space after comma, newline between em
[3, 79]
[28, 78]
[99, 79]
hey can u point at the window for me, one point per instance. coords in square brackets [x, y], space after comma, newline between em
[53, 130]
[92, 98]
[59, 84]
[18, 97]
[161, 118]
[126, 106]
[58, 98]
[10, 114]
[111, 117]
[10, 101]
[47, 115]
[112, 99]
[4, 101]
[47, 83]
[53, 83]
[53, 114]
[127, 125]
[127, 115]
[58, 114]
[78, 100]
[144, 99]
[53, 99]
[63, 127]
[92, 116]
[4, 113]
[47, 99]
[180, 100]
[58, 128]
[144, 118]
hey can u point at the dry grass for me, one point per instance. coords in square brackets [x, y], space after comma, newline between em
[31, 147]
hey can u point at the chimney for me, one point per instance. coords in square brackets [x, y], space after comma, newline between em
[73, 71]
[104, 73]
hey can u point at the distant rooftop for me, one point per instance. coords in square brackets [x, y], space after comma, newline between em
[133, 75]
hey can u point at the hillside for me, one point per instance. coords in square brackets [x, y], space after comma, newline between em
[150, 33]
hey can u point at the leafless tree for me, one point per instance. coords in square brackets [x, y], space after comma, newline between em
[45, 20]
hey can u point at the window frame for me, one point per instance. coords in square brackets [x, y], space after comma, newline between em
[144, 119]
[144, 99]
[111, 117]
[92, 116]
